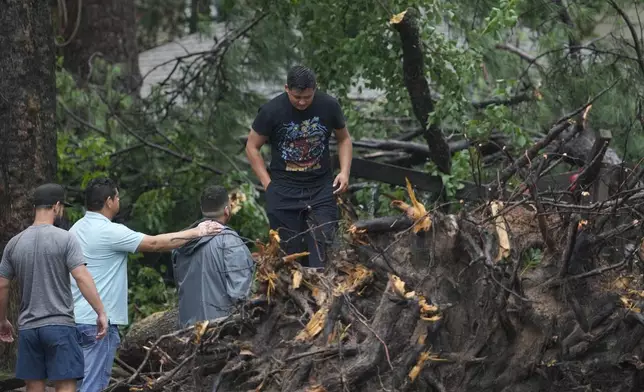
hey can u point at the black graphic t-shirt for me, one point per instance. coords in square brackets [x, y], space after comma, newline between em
[300, 138]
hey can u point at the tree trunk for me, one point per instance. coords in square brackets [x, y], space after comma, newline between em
[27, 109]
[197, 8]
[418, 88]
[106, 30]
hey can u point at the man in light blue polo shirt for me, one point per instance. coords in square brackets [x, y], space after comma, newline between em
[105, 246]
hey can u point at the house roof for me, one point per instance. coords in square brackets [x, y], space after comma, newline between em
[157, 63]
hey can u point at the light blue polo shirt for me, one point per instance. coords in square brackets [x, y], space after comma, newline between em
[105, 245]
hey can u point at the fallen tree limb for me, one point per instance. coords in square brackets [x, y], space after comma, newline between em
[561, 125]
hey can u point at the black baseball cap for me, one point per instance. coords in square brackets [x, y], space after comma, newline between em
[48, 195]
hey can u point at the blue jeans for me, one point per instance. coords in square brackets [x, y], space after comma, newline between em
[99, 357]
[50, 353]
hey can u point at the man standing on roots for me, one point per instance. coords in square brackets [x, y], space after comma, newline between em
[300, 188]
[106, 245]
[42, 257]
[213, 274]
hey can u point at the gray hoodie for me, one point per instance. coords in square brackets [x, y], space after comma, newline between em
[212, 274]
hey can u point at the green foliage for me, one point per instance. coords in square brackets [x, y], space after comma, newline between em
[461, 172]
[500, 18]
[531, 259]
[147, 291]
[152, 207]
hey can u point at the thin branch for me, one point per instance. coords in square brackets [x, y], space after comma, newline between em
[164, 149]
[78, 119]
[631, 28]
[570, 245]
[520, 98]
[524, 55]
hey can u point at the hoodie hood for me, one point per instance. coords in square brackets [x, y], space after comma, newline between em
[193, 245]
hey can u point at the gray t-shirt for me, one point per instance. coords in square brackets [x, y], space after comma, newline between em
[41, 257]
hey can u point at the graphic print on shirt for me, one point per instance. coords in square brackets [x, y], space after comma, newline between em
[302, 145]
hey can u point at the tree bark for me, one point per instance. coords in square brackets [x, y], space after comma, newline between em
[27, 109]
[418, 88]
[106, 29]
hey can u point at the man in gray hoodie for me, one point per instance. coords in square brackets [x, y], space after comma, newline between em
[213, 273]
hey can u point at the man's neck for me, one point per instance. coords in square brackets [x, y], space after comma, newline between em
[44, 218]
[218, 219]
[105, 213]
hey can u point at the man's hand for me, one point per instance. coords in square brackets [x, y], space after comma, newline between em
[209, 228]
[6, 331]
[267, 184]
[101, 326]
[341, 182]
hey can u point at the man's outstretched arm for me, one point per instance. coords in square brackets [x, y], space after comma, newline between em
[125, 239]
[170, 241]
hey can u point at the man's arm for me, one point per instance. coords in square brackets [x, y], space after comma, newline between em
[6, 274]
[166, 242]
[87, 288]
[75, 263]
[6, 329]
[127, 240]
[4, 297]
[345, 155]
[253, 145]
[345, 149]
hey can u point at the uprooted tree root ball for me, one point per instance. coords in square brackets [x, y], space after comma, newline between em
[421, 302]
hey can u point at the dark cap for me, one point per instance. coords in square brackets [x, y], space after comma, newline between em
[48, 195]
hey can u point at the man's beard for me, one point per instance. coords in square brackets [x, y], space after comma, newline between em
[62, 222]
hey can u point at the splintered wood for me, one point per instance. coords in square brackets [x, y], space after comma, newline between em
[398, 17]
[237, 199]
[314, 326]
[428, 312]
[297, 279]
[416, 211]
[501, 231]
[356, 277]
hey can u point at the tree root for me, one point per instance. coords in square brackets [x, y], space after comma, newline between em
[463, 320]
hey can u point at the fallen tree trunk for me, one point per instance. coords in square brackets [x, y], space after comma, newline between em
[409, 304]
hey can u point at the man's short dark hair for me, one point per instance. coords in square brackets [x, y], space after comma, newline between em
[213, 200]
[97, 192]
[300, 77]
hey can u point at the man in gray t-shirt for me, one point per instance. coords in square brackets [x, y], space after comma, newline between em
[41, 258]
